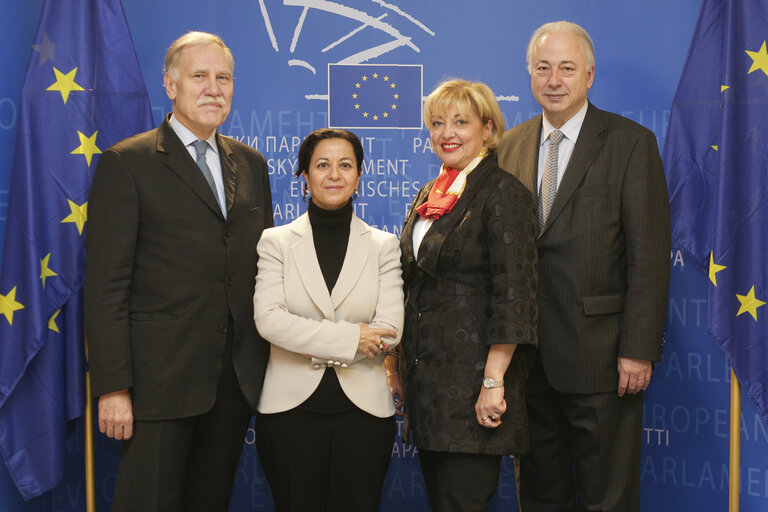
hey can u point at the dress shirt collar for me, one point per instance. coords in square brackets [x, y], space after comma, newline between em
[187, 137]
[570, 129]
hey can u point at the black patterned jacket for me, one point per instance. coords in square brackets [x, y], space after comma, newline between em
[473, 286]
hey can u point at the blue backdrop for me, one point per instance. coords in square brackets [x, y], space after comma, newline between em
[282, 51]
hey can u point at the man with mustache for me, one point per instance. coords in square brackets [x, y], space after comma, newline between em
[176, 362]
[603, 254]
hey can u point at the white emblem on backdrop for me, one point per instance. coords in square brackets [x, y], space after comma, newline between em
[394, 24]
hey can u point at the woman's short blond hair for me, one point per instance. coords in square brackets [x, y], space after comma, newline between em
[466, 96]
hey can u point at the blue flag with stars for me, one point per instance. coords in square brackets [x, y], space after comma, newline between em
[716, 159]
[83, 92]
[374, 96]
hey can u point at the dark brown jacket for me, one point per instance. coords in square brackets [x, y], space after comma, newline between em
[604, 252]
[165, 271]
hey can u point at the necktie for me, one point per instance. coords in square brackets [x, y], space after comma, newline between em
[549, 180]
[200, 147]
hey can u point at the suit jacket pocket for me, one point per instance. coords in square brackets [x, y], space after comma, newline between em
[143, 316]
[603, 304]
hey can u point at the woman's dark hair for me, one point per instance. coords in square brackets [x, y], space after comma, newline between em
[310, 142]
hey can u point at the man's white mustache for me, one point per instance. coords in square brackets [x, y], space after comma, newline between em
[211, 99]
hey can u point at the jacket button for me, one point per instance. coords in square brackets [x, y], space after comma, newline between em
[228, 281]
[223, 329]
[418, 316]
[227, 233]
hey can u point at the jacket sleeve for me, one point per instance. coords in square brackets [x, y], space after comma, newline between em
[646, 227]
[390, 308]
[509, 217]
[113, 220]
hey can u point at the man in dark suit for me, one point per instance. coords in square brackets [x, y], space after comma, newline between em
[174, 218]
[603, 278]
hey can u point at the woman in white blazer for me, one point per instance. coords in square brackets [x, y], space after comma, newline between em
[329, 299]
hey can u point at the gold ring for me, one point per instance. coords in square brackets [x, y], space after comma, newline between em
[485, 418]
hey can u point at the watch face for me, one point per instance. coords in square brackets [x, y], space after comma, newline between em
[487, 383]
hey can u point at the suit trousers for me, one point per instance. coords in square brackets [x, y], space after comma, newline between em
[585, 450]
[325, 462]
[460, 482]
[186, 464]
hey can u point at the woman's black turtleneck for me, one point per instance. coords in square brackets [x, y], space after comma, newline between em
[330, 232]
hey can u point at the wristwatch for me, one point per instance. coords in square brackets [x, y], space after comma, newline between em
[489, 383]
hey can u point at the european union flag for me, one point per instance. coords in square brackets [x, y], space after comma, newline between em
[374, 96]
[716, 159]
[83, 91]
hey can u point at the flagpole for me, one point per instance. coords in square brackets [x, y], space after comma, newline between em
[735, 456]
[90, 478]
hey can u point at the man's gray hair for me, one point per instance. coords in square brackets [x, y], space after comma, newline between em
[560, 26]
[193, 39]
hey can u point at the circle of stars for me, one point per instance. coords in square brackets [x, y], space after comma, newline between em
[376, 115]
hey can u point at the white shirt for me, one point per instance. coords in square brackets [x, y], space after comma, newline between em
[420, 228]
[570, 130]
[211, 157]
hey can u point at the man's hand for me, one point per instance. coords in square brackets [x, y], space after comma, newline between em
[116, 414]
[634, 375]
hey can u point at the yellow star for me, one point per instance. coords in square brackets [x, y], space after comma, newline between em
[87, 146]
[52, 321]
[714, 268]
[375, 117]
[724, 87]
[386, 114]
[386, 78]
[749, 303]
[44, 270]
[392, 85]
[365, 114]
[8, 305]
[354, 96]
[375, 75]
[65, 84]
[759, 60]
[357, 85]
[396, 96]
[394, 107]
[79, 215]
[365, 78]
[716, 148]
[357, 106]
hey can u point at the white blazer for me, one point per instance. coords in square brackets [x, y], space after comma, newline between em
[295, 313]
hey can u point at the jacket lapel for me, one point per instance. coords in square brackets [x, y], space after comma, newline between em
[431, 245]
[228, 170]
[355, 260]
[528, 157]
[406, 236]
[303, 249]
[587, 146]
[180, 162]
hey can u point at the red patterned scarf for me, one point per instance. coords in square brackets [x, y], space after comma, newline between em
[440, 201]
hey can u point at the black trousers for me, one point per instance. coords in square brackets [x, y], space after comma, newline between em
[325, 462]
[185, 464]
[585, 450]
[459, 482]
